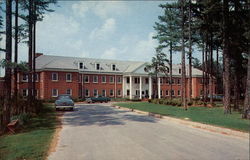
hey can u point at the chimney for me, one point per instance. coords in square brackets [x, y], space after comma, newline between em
[38, 54]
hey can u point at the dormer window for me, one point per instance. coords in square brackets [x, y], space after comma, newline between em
[80, 65]
[179, 71]
[97, 66]
[113, 67]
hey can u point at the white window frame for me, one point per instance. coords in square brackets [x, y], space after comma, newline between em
[94, 79]
[37, 77]
[97, 65]
[119, 79]
[53, 92]
[70, 90]
[87, 95]
[53, 76]
[119, 92]
[110, 79]
[110, 93]
[82, 65]
[67, 77]
[167, 92]
[85, 79]
[113, 69]
[179, 93]
[26, 92]
[105, 79]
[173, 93]
[27, 77]
[104, 92]
[96, 92]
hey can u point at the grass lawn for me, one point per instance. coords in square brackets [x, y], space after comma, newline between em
[33, 142]
[214, 116]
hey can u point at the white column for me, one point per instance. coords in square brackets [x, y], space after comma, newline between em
[140, 87]
[150, 87]
[159, 87]
[123, 87]
[130, 87]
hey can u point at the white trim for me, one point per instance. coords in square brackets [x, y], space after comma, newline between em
[113, 79]
[56, 77]
[53, 92]
[94, 78]
[105, 79]
[94, 92]
[70, 90]
[110, 92]
[105, 93]
[84, 79]
[70, 77]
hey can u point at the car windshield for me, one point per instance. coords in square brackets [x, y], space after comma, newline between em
[64, 97]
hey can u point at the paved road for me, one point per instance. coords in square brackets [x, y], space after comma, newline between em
[95, 132]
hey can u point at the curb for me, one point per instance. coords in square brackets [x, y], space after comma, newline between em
[211, 128]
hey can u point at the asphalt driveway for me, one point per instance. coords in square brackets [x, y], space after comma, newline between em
[98, 132]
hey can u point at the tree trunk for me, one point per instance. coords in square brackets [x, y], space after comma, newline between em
[206, 70]
[30, 85]
[16, 47]
[190, 54]
[183, 75]
[8, 57]
[34, 51]
[226, 71]
[171, 86]
[217, 70]
[203, 71]
[211, 70]
[246, 109]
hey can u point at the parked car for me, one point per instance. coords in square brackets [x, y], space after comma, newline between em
[64, 101]
[216, 97]
[97, 99]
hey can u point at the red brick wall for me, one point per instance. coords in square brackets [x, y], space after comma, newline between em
[103, 86]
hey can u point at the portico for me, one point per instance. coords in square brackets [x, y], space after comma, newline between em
[138, 86]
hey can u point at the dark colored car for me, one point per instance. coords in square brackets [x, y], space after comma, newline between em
[97, 99]
[64, 101]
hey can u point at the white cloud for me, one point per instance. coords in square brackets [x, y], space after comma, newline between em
[105, 30]
[110, 53]
[144, 49]
[101, 9]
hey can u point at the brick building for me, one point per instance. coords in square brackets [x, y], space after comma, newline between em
[86, 77]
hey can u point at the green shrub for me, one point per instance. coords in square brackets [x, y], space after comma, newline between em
[190, 103]
[161, 101]
[149, 101]
[135, 100]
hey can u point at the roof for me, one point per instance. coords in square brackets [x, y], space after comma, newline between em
[61, 63]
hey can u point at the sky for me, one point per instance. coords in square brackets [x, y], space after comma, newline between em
[119, 30]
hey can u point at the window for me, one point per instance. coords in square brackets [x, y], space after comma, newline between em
[166, 92]
[201, 92]
[167, 69]
[86, 93]
[172, 81]
[54, 76]
[161, 80]
[68, 77]
[128, 92]
[179, 92]
[79, 77]
[128, 79]
[97, 66]
[69, 91]
[113, 67]
[80, 65]
[111, 79]
[178, 81]
[111, 92]
[167, 80]
[137, 92]
[179, 71]
[146, 80]
[119, 92]
[95, 92]
[25, 92]
[25, 77]
[161, 92]
[119, 79]
[104, 92]
[36, 93]
[137, 80]
[86, 79]
[95, 79]
[103, 79]
[36, 77]
[54, 92]
[172, 92]
[146, 92]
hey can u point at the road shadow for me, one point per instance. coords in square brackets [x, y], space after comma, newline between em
[102, 116]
